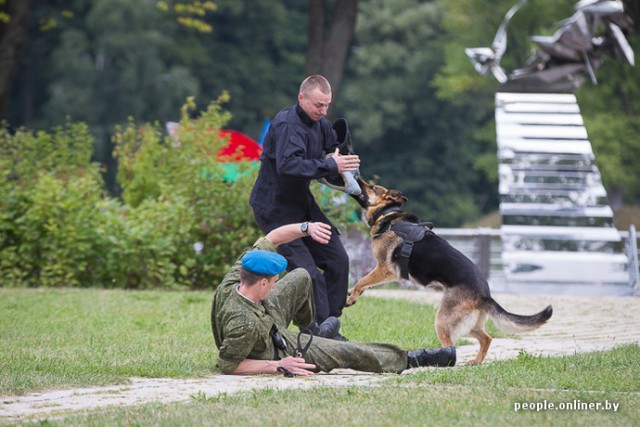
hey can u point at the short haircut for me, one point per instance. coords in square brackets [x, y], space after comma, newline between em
[249, 278]
[315, 82]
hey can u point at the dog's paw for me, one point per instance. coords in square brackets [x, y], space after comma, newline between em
[350, 299]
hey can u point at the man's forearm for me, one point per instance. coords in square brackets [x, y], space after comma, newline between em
[318, 231]
[254, 367]
[294, 365]
[284, 234]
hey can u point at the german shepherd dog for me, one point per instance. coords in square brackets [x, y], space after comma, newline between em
[466, 302]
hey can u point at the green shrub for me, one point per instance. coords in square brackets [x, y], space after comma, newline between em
[139, 247]
[154, 168]
[48, 190]
[180, 223]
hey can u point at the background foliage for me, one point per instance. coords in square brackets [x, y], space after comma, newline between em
[179, 223]
[421, 119]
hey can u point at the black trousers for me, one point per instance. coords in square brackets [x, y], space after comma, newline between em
[327, 264]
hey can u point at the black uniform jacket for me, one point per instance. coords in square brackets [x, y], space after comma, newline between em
[293, 154]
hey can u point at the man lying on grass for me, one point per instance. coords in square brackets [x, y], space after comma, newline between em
[253, 307]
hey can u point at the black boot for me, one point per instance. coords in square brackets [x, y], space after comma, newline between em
[441, 357]
[327, 329]
[340, 337]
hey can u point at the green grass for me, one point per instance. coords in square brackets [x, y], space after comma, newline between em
[408, 324]
[60, 338]
[373, 406]
[469, 395]
[53, 339]
[616, 370]
[68, 338]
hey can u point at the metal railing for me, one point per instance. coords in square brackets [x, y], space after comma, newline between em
[483, 246]
[632, 250]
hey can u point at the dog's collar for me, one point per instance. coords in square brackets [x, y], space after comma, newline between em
[382, 213]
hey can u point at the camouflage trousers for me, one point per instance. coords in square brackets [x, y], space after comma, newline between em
[292, 301]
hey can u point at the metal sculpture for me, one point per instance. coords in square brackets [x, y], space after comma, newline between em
[557, 225]
[561, 61]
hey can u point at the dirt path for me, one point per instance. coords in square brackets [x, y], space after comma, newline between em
[579, 324]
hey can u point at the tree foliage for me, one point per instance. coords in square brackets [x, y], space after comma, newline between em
[407, 138]
[610, 110]
[14, 15]
[122, 51]
[421, 117]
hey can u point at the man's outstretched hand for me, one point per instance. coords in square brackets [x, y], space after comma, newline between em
[348, 163]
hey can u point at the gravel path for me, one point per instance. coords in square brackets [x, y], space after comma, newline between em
[579, 324]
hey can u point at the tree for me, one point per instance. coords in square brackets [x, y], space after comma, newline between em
[613, 126]
[39, 19]
[407, 137]
[328, 45]
[14, 16]
[255, 52]
[118, 61]
[632, 8]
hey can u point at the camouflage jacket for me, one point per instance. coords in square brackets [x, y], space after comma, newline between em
[240, 326]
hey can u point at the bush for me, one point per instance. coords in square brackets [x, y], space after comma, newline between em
[154, 171]
[180, 223]
[48, 190]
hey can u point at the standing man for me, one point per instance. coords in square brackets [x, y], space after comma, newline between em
[253, 307]
[295, 152]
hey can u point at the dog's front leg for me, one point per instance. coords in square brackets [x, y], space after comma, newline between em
[375, 277]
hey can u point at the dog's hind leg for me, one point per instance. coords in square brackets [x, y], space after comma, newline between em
[455, 320]
[483, 338]
[444, 335]
[446, 327]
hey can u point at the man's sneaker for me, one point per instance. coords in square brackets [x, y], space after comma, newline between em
[441, 357]
[327, 329]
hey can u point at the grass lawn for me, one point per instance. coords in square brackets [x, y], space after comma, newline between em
[52, 339]
[56, 338]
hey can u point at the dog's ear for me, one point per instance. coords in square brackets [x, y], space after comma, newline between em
[397, 197]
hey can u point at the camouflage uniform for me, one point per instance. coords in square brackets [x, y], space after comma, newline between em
[241, 328]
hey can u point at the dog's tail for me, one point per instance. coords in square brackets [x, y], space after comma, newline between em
[509, 322]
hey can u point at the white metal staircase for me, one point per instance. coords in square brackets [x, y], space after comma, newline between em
[557, 225]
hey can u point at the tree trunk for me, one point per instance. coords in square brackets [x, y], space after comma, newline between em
[616, 198]
[315, 37]
[12, 38]
[328, 46]
[632, 8]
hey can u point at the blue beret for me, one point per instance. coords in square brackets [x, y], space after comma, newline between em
[264, 262]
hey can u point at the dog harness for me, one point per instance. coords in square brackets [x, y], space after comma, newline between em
[410, 232]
